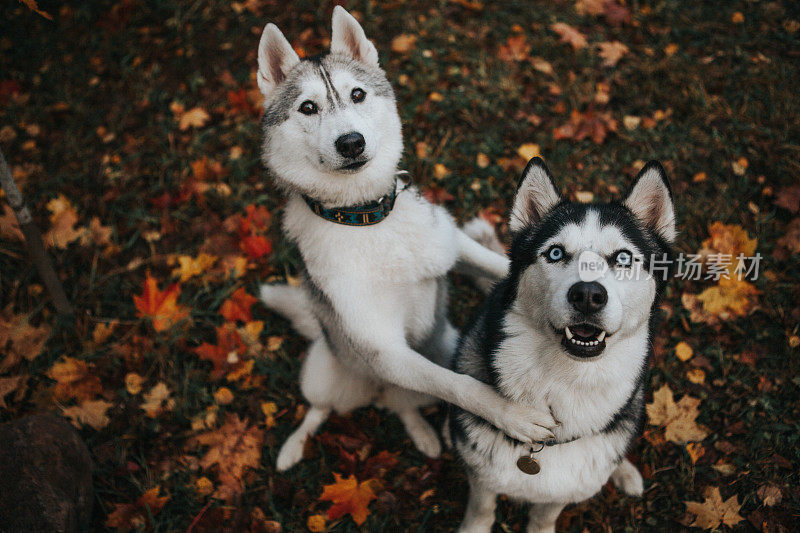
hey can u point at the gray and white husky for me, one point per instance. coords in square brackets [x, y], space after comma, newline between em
[568, 330]
[374, 295]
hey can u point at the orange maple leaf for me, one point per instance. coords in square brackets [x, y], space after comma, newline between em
[515, 49]
[589, 124]
[128, 516]
[226, 354]
[350, 497]
[256, 246]
[237, 307]
[161, 307]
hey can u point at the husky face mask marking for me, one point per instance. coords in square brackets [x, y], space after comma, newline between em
[331, 123]
[584, 270]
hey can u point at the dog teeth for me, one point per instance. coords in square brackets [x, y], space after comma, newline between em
[568, 333]
[601, 336]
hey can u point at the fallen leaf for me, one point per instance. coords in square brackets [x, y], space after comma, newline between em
[542, 65]
[9, 225]
[437, 194]
[730, 298]
[256, 246]
[226, 354]
[96, 233]
[696, 376]
[160, 307]
[482, 160]
[612, 52]
[528, 151]
[7, 386]
[158, 400]
[590, 124]
[683, 351]
[769, 494]
[63, 218]
[237, 307]
[569, 35]
[190, 267]
[128, 516]
[713, 512]
[89, 413]
[194, 118]
[74, 380]
[316, 523]
[737, 17]
[404, 43]
[791, 237]
[223, 396]
[203, 486]
[695, 451]
[515, 49]
[19, 340]
[590, 7]
[349, 497]
[233, 449]
[133, 383]
[34, 6]
[678, 419]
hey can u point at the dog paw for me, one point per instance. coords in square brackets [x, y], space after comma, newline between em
[291, 453]
[628, 479]
[483, 232]
[526, 424]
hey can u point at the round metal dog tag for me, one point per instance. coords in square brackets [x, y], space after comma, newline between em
[529, 465]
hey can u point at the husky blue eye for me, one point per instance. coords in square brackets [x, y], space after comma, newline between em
[555, 253]
[358, 95]
[308, 108]
[623, 258]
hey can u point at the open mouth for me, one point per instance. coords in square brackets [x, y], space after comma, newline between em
[584, 340]
[354, 166]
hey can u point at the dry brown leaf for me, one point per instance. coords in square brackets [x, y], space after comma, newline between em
[74, 380]
[96, 233]
[714, 512]
[233, 449]
[9, 225]
[612, 52]
[791, 237]
[89, 413]
[63, 218]
[7, 386]
[678, 419]
[137, 515]
[789, 198]
[590, 7]
[569, 35]
[19, 340]
[158, 400]
[769, 494]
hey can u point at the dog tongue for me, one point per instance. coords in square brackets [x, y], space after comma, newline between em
[583, 330]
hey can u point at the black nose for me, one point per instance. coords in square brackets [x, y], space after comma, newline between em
[350, 144]
[587, 297]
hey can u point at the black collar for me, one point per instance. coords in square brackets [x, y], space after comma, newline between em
[358, 215]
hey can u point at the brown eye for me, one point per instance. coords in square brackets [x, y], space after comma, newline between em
[358, 95]
[308, 108]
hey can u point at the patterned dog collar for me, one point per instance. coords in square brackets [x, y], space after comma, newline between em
[358, 215]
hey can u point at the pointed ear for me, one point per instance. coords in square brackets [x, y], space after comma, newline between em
[276, 57]
[348, 38]
[536, 195]
[650, 200]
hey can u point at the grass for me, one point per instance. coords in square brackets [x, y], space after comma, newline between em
[728, 90]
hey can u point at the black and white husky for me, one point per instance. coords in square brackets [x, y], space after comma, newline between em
[568, 330]
[374, 296]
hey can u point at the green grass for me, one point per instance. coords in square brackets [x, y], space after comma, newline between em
[731, 89]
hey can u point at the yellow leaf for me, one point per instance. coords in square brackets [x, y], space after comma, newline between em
[528, 151]
[482, 160]
[695, 451]
[316, 523]
[730, 298]
[713, 512]
[195, 117]
[404, 43]
[678, 419]
[696, 376]
[193, 266]
[612, 52]
[737, 17]
[203, 486]
[683, 351]
[63, 218]
[133, 383]
[223, 396]
[440, 171]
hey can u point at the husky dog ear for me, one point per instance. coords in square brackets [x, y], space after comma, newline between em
[650, 200]
[276, 57]
[348, 38]
[536, 195]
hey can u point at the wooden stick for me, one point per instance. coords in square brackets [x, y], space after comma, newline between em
[33, 240]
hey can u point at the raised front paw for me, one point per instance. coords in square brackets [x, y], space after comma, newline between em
[628, 479]
[526, 424]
